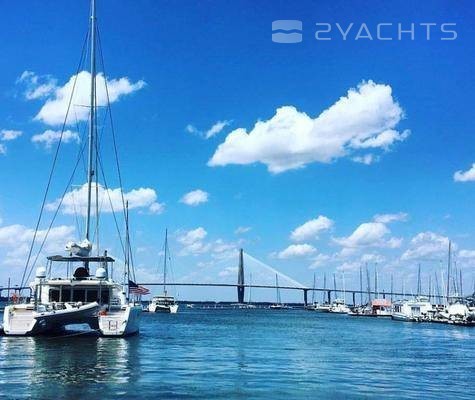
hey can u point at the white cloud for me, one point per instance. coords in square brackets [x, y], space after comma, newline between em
[467, 254]
[75, 201]
[465, 176]
[365, 118]
[7, 135]
[372, 258]
[16, 239]
[37, 86]
[195, 198]
[297, 250]
[369, 234]
[242, 229]
[320, 260]
[3, 149]
[388, 218]
[49, 137]
[228, 271]
[311, 229]
[193, 242]
[217, 128]
[157, 208]
[54, 110]
[427, 245]
[348, 266]
[366, 159]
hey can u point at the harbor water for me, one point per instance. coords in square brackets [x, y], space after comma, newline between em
[256, 353]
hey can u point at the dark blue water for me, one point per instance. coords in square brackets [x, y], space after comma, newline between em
[261, 354]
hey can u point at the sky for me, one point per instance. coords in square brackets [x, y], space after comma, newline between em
[353, 147]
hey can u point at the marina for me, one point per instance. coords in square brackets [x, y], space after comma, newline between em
[242, 205]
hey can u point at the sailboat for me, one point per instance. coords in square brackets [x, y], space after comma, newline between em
[278, 305]
[164, 303]
[82, 297]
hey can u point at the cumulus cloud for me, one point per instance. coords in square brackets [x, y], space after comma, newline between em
[193, 241]
[75, 201]
[195, 198]
[215, 129]
[319, 261]
[297, 250]
[157, 208]
[311, 229]
[36, 86]
[465, 176]
[8, 135]
[369, 234]
[364, 119]
[49, 137]
[54, 109]
[427, 245]
[16, 239]
[388, 218]
[467, 254]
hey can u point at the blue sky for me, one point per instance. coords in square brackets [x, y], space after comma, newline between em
[186, 68]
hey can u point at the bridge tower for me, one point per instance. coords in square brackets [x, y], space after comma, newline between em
[240, 287]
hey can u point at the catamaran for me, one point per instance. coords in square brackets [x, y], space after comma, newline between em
[83, 296]
[164, 303]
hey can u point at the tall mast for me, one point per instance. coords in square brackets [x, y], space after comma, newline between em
[165, 264]
[92, 119]
[448, 272]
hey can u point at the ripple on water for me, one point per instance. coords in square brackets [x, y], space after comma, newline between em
[247, 353]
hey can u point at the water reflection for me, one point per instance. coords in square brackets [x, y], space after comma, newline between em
[67, 367]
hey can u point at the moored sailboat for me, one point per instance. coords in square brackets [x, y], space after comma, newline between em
[164, 303]
[82, 297]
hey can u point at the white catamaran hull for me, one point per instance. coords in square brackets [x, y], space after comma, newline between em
[121, 322]
[158, 308]
[24, 320]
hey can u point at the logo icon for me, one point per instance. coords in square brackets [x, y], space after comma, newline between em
[287, 31]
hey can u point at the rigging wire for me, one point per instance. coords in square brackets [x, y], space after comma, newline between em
[54, 162]
[55, 214]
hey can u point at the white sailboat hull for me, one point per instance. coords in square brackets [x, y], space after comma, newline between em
[121, 322]
[24, 320]
[159, 308]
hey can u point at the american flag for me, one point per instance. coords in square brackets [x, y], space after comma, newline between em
[136, 289]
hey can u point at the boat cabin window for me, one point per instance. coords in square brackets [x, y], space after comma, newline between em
[105, 296]
[92, 295]
[65, 295]
[79, 294]
[54, 294]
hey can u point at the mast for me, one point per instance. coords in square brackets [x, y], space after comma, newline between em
[165, 264]
[92, 120]
[361, 286]
[448, 272]
[419, 280]
[324, 285]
